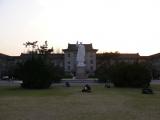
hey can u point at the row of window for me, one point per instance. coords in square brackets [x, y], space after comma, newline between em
[91, 55]
[91, 62]
[69, 68]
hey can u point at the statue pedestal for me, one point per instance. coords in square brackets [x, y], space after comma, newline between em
[81, 72]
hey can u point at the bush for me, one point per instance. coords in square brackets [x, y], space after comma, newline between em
[68, 75]
[130, 75]
[102, 74]
[37, 73]
[57, 74]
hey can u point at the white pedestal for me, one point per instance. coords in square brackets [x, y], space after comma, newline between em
[81, 72]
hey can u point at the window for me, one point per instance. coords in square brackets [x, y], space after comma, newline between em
[91, 68]
[69, 55]
[91, 55]
[68, 67]
[91, 61]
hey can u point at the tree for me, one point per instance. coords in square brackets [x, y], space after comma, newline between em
[105, 60]
[130, 75]
[37, 72]
[102, 73]
[44, 49]
[33, 45]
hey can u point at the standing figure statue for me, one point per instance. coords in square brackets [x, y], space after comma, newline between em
[80, 55]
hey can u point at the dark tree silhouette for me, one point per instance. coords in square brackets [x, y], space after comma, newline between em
[130, 75]
[37, 72]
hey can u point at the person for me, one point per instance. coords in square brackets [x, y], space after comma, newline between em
[67, 84]
[108, 84]
[80, 54]
[86, 88]
[147, 89]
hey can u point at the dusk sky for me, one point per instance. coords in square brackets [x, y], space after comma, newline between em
[127, 26]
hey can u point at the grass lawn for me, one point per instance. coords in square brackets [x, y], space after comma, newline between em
[61, 103]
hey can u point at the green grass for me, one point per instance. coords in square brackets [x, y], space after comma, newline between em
[61, 103]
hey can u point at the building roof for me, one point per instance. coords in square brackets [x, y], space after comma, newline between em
[57, 56]
[52, 56]
[118, 55]
[155, 56]
[4, 56]
[129, 55]
[73, 47]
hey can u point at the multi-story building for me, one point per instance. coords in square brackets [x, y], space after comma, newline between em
[7, 64]
[93, 60]
[56, 59]
[109, 59]
[155, 62]
[70, 55]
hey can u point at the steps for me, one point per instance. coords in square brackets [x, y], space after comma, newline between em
[79, 80]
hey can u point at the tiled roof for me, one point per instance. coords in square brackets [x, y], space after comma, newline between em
[73, 47]
[127, 55]
[155, 56]
[118, 55]
[3, 56]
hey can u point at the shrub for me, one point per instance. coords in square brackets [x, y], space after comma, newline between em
[37, 73]
[102, 73]
[57, 74]
[130, 75]
[68, 75]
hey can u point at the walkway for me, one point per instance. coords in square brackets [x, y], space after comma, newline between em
[17, 83]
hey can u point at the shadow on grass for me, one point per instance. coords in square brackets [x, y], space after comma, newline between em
[19, 91]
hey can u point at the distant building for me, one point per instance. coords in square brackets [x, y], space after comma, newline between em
[7, 64]
[155, 62]
[128, 58]
[56, 59]
[70, 55]
[109, 59]
[93, 60]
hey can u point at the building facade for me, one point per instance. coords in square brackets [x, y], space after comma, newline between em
[93, 60]
[155, 63]
[70, 55]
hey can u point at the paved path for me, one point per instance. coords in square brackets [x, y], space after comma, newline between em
[17, 83]
[10, 83]
[155, 82]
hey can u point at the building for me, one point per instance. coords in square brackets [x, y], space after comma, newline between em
[70, 55]
[56, 59]
[155, 63]
[109, 59]
[93, 60]
[7, 64]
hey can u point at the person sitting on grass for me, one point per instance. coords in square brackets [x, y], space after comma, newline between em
[67, 84]
[86, 88]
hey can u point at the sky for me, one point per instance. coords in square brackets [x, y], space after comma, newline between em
[126, 26]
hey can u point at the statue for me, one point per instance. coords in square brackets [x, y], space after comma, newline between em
[80, 55]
